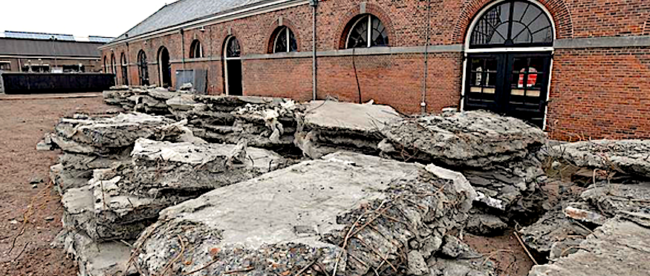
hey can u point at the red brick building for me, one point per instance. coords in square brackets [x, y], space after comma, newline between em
[578, 68]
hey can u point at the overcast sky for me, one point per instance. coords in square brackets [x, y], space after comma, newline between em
[76, 17]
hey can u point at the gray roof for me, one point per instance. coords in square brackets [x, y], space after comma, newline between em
[184, 11]
[31, 47]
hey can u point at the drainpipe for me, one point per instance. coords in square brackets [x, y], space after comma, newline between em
[426, 61]
[314, 4]
[183, 48]
[128, 58]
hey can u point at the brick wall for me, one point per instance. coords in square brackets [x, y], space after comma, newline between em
[600, 93]
[609, 103]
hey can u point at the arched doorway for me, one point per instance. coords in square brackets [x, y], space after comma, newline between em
[164, 68]
[124, 67]
[509, 51]
[143, 68]
[232, 67]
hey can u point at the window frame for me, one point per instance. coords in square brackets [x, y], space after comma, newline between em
[369, 31]
[286, 31]
[470, 45]
[194, 49]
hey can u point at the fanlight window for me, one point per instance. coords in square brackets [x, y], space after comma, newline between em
[232, 48]
[366, 32]
[196, 50]
[513, 24]
[285, 41]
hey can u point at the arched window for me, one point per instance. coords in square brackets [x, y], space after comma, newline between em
[143, 70]
[124, 67]
[105, 65]
[512, 24]
[366, 31]
[232, 67]
[196, 50]
[284, 41]
[113, 64]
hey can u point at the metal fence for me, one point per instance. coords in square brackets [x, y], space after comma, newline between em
[33, 83]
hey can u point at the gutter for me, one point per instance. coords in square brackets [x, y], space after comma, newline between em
[224, 16]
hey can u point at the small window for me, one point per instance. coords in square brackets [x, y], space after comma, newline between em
[196, 50]
[284, 41]
[5, 66]
[367, 31]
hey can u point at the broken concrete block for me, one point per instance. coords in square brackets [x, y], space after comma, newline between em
[329, 126]
[96, 259]
[106, 135]
[75, 170]
[620, 247]
[497, 154]
[332, 214]
[486, 225]
[614, 198]
[263, 122]
[475, 139]
[119, 202]
[612, 156]
[416, 264]
[553, 227]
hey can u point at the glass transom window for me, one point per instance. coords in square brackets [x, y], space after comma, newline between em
[513, 24]
[367, 31]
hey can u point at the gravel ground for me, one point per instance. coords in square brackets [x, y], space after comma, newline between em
[30, 215]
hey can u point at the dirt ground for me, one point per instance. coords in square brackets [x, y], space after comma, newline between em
[505, 251]
[36, 209]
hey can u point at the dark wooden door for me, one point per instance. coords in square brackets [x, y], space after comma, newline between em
[512, 84]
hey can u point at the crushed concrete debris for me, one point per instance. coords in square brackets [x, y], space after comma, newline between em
[573, 220]
[195, 188]
[627, 157]
[96, 259]
[620, 247]
[306, 209]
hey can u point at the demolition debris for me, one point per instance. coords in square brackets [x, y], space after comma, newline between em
[183, 184]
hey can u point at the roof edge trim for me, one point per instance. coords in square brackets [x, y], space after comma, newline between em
[241, 12]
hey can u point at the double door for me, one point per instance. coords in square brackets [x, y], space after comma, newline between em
[511, 84]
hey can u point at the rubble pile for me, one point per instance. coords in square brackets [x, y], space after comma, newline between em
[114, 180]
[500, 156]
[122, 200]
[601, 229]
[145, 99]
[264, 122]
[347, 213]
[220, 185]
